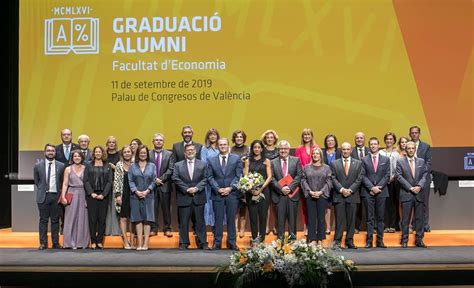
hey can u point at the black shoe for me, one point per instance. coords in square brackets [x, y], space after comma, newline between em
[427, 229]
[351, 245]
[233, 247]
[336, 244]
[42, 247]
[420, 244]
[404, 245]
[380, 244]
[369, 245]
[57, 246]
[183, 247]
[216, 247]
[204, 247]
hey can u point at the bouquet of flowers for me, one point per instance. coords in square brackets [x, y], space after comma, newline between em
[296, 263]
[251, 183]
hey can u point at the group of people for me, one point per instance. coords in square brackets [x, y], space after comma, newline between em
[101, 190]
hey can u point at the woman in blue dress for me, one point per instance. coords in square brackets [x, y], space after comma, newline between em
[141, 177]
[209, 151]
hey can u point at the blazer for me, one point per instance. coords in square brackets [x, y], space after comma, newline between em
[296, 172]
[178, 151]
[219, 178]
[372, 178]
[424, 152]
[183, 182]
[39, 175]
[89, 175]
[338, 155]
[166, 169]
[406, 180]
[60, 153]
[355, 153]
[352, 181]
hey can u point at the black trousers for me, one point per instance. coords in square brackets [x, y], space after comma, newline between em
[375, 206]
[185, 213]
[392, 202]
[97, 210]
[419, 216]
[426, 203]
[49, 209]
[345, 219]
[258, 215]
[287, 210]
[316, 210]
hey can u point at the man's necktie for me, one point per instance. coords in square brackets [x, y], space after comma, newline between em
[412, 167]
[49, 175]
[224, 163]
[158, 164]
[346, 167]
[374, 162]
[285, 168]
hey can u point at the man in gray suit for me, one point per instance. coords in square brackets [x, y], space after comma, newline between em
[164, 164]
[190, 178]
[411, 174]
[84, 141]
[284, 197]
[48, 176]
[374, 191]
[347, 174]
[423, 151]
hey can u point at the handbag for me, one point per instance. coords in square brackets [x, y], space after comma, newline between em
[68, 197]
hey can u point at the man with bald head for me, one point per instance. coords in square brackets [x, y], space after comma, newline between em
[63, 150]
[359, 152]
[347, 174]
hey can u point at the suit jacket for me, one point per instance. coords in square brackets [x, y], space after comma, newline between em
[39, 174]
[372, 178]
[183, 182]
[88, 156]
[218, 178]
[166, 169]
[89, 176]
[338, 155]
[178, 151]
[355, 153]
[60, 153]
[352, 181]
[424, 152]
[406, 180]
[296, 172]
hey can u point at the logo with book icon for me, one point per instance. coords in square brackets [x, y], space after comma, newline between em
[79, 35]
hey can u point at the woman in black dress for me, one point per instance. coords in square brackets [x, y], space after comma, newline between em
[270, 151]
[122, 194]
[258, 209]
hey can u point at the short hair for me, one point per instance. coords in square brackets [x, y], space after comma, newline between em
[158, 134]
[310, 132]
[123, 149]
[283, 143]
[411, 143]
[326, 139]
[110, 138]
[104, 154]
[139, 142]
[65, 130]
[223, 138]
[374, 138]
[49, 145]
[78, 152]
[83, 136]
[187, 127]
[237, 132]
[413, 127]
[207, 143]
[316, 148]
[390, 134]
[137, 153]
[266, 133]
[189, 145]
[255, 142]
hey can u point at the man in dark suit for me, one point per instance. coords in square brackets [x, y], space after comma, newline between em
[190, 178]
[359, 152]
[164, 170]
[411, 174]
[178, 148]
[84, 142]
[375, 191]
[423, 151]
[48, 176]
[347, 174]
[224, 171]
[63, 150]
[284, 197]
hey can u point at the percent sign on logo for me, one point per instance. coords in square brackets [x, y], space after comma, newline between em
[81, 36]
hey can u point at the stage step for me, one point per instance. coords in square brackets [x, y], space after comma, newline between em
[9, 239]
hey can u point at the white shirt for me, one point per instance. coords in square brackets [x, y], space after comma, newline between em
[348, 161]
[52, 179]
[416, 147]
[190, 168]
[221, 157]
[67, 150]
